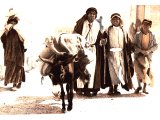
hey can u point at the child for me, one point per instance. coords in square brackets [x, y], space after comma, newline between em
[144, 43]
[118, 53]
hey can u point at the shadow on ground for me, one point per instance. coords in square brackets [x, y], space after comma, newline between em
[3, 89]
[103, 95]
[32, 105]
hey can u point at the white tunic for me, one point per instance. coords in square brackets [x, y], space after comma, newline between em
[90, 51]
[116, 58]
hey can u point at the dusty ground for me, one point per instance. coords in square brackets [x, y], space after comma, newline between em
[35, 101]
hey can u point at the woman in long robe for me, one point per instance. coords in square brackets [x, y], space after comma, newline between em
[13, 44]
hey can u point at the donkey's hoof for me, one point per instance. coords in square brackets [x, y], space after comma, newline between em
[63, 110]
[69, 108]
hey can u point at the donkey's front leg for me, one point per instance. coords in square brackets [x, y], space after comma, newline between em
[69, 96]
[63, 100]
[69, 86]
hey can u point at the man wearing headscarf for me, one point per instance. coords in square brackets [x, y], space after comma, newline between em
[88, 27]
[119, 67]
[14, 48]
[144, 43]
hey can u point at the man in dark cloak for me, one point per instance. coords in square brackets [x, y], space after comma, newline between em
[117, 57]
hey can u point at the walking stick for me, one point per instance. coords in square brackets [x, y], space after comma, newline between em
[105, 62]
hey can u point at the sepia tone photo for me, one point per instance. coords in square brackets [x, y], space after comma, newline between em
[70, 59]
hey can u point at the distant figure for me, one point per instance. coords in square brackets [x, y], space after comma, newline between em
[144, 46]
[100, 23]
[13, 44]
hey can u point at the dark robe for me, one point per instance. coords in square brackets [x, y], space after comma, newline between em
[13, 57]
[128, 62]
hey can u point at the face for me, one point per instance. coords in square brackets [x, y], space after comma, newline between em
[91, 16]
[13, 22]
[145, 28]
[115, 21]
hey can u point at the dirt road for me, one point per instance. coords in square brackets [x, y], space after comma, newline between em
[35, 101]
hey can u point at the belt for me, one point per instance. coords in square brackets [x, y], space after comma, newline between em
[115, 49]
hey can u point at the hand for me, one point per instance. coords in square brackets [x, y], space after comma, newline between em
[25, 50]
[137, 50]
[103, 42]
[144, 52]
[8, 27]
[87, 45]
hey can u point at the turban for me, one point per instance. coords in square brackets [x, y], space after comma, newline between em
[91, 9]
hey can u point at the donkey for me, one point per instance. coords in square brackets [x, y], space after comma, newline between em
[67, 61]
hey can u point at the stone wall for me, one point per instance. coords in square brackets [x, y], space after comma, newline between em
[151, 12]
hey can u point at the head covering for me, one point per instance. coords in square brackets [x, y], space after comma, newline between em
[115, 15]
[91, 9]
[148, 22]
[11, 12]
[79, 24]
[12, 16]
[119, 16]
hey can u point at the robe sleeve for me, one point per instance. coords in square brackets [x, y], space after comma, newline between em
[155, 45]
[22, 36]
